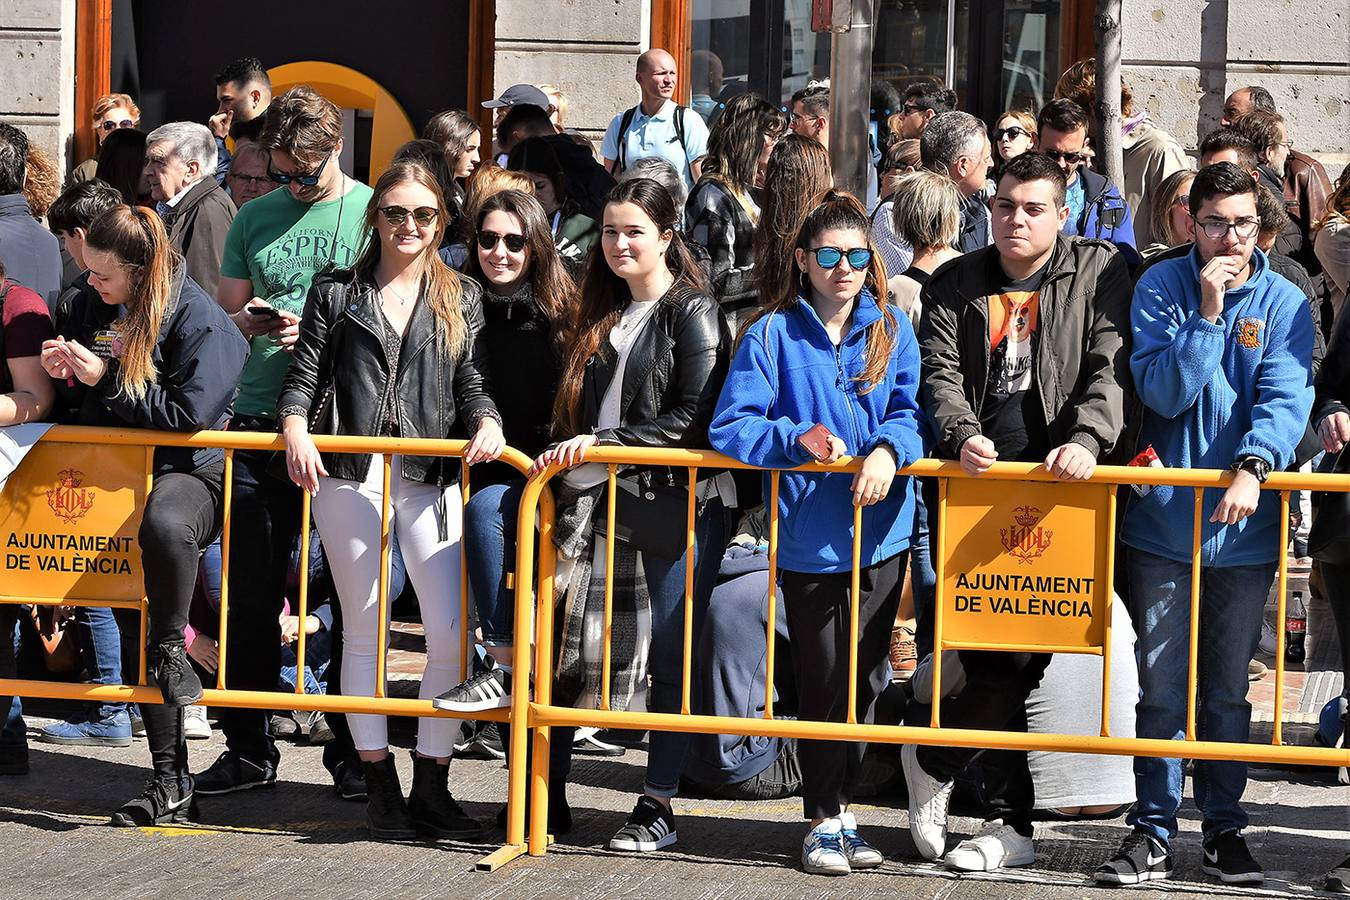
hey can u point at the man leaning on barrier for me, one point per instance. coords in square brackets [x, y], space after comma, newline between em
[1024, 348]
[1222, 364]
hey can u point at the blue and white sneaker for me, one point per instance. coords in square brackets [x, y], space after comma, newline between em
[861, 855]
[114, 731]
[823, 850]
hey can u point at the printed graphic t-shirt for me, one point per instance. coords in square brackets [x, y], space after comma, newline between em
[1012, 416]
[280, 244]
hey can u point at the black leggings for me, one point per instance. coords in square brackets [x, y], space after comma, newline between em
[182, 517]
[1336, 581]
[817, 610]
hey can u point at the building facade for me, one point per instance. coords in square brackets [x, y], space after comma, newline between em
[1182, 57]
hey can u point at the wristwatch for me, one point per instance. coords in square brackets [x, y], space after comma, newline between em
[1258, 467]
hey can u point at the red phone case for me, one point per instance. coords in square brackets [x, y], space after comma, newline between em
[817, 442]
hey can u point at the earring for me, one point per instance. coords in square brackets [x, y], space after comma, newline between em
[802, 282]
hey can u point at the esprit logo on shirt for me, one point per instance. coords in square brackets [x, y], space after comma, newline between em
[1249, 332]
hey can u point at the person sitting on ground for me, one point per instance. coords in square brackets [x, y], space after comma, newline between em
[1000, 383]
[840, 313]
[178, 370]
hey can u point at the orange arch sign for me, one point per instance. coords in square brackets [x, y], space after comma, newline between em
[351, 89]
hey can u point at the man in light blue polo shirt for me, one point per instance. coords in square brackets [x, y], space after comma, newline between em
[651, 128]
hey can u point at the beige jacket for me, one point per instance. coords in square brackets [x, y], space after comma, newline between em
[1333, 252]
[1150, 155]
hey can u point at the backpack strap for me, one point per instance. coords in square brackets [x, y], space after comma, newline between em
[621, 157]
[679, 130]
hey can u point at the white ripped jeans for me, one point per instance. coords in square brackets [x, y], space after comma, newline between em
[348, 517]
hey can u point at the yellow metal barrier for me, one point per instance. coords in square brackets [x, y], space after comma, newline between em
[380, 704]
[543, 715]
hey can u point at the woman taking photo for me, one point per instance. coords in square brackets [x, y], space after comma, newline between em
[152, 350]
[723, 210]
[784, 405]
[799, 170]
[647, 355]
[391, 348]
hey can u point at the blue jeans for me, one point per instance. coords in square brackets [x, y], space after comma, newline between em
[101, 640]
[1232, 602]
[667, 750]
[14, 732]
[316, 664]
[490, 519]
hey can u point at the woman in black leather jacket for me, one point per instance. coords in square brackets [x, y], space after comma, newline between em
[723, 209]
[152, 350]
[648, 352]
[391, 348]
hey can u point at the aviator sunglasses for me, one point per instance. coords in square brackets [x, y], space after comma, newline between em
[859, 258]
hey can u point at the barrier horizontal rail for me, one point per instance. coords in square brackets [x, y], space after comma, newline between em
[544, 716]
[220, 696]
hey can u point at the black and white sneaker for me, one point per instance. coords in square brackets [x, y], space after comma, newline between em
[163, 800]
[1228, 859]
[1338, 879]
[232, 772]
[489, 689]
[1140, 858]
[650, 827]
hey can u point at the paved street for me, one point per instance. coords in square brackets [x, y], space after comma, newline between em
[298, 839]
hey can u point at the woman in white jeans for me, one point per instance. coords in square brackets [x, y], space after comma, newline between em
[390, 348]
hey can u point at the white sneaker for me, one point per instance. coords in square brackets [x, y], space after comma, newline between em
[861, 855]
[928, 799]
[195, 726]
[823, 850]
[997, 846]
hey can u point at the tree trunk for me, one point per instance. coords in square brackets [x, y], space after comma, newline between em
[1107, 25]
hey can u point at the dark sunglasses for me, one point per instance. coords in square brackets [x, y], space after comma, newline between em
[1012, 132]
[910, 109]
[307, 180]
[1072, 159]
[487, 240]
[110, 126]
[859, 258]
[397, 215]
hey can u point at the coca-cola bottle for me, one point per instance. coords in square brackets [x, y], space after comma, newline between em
[1295, 629]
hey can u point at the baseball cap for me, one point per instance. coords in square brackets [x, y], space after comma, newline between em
[518, 94]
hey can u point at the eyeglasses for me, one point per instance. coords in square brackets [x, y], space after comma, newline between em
[858, 258]
[249, 180]
[910, 109]
[1245, 229]
[1182, 200]
[109, 126]
[1012, 133]
[487, 240]
[307, 180]
[1072, 158]
[397, 215]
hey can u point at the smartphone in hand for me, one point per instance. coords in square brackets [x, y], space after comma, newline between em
[816, 442]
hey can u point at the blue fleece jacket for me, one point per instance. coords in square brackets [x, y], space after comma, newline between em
[787, 376]
[1213, 393]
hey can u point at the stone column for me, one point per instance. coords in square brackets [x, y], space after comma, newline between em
[37, 72]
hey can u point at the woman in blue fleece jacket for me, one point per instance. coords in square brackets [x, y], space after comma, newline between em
[834, 354]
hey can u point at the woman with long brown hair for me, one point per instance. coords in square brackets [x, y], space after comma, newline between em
[391, 348]
[723, 209]
[831, 365]
[150, 349]
[799, 170]
[647, 351]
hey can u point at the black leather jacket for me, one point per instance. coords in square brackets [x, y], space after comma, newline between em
[675, 371]
[341, 345]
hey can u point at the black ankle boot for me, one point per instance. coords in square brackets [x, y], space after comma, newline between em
[433, 810]
[177, 680]
[386, 812]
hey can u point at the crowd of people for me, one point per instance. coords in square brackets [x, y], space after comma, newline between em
[696, 283]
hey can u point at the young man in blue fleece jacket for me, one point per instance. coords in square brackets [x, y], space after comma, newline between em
[1025, 352]
[1222, 363]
